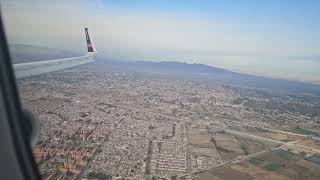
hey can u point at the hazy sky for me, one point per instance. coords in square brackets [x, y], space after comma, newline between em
[274, 38]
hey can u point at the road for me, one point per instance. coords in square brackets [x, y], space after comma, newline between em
[251, 136]
[148, 161]
[189, 165]
[278, 131]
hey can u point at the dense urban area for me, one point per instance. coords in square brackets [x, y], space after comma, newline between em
[116, 125]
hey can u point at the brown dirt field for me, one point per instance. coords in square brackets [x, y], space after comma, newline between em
[296, 171]
[257, 172]
[310, 143]
[207, 176]
[281, 137]
[280, 160]
[275, 136]
[231, 146]
[254, 171]
[266, 133]
[274, 176]
[206, 152]
[275, 159]
[228, 156]
[293, 168]
[251, 146]
[314, 168]
[199, 138]
[228, 142]
[231, 174]
[237, 127]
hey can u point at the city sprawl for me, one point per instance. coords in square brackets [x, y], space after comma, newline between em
[114, 125]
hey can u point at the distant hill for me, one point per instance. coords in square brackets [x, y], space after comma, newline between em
[178, 67]
[21, 53]
[205, 72]
[229, 77]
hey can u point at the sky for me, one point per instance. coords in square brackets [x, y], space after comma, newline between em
[274, 38]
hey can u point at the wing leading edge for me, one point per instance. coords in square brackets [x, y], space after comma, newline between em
[24, 70]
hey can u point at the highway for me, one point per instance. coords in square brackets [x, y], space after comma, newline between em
[189, 164]
[278, 131]
[292, 144]
[252, 136]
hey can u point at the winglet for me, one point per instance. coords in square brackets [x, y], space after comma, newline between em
[90, 45]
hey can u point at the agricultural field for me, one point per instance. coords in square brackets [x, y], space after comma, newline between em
[231, 146]
[203, 153]
[227, 146]
[199, 138]
[263, 133]
[200, 144]
[251, 146]
[223, 173]
[303, 131]
[217, 143]
[275, 164]
[310, 143]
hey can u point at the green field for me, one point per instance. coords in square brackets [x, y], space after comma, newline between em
[256, 161]
[271, 167]
[285, 140]
[284, 154]
[299, 130]
[317, 155]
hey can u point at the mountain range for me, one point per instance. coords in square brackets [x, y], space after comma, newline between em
[27, 53]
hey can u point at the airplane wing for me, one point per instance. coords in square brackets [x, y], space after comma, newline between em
[24, 70]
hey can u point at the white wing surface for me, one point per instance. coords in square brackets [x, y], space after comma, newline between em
[24, 70]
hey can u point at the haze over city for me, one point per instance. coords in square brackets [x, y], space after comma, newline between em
[168, 90]
[273, 38]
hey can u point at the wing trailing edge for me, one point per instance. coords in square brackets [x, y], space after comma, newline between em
[24, 70]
